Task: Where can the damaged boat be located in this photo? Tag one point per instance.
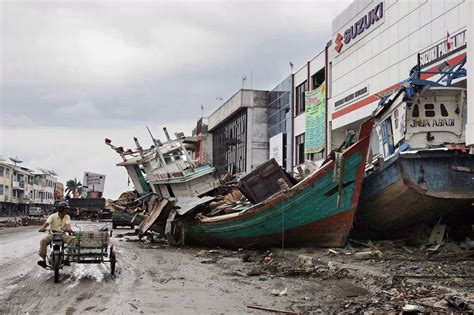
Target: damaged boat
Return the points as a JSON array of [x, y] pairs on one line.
[[165, 171], [317, 211], [264, 208], [421, 169]]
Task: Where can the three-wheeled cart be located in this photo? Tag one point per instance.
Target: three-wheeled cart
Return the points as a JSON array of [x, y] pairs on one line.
[[92, 247]]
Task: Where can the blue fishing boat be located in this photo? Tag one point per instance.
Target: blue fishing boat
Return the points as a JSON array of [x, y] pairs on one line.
[[420, 169]]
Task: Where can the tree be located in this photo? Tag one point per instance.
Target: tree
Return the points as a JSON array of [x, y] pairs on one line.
[[73, 187]]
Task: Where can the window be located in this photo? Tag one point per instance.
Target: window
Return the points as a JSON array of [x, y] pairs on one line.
[[1, 171], [1, 189], [395, 116], [230, 145], [444, 111], [7, 172], [429, 110], [317, 79], [315, 156], [299, 146], [300, 89], [415, 112]]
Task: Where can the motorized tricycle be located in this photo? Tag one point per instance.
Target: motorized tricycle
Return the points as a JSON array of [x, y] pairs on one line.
[[93, 246]]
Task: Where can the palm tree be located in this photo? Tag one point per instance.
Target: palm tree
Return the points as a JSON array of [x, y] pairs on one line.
[[73, 187]]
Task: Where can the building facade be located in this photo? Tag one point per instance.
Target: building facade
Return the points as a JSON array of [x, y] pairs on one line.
[[375, 44], [6, 181], [21, 188], [308, 78], [239, 132], [280, 122]]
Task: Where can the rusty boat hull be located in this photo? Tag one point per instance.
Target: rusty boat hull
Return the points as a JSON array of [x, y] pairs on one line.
[[316, 212], [414, 189]]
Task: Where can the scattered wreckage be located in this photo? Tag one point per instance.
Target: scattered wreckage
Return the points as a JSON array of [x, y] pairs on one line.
[[418, 169], [185, 203]]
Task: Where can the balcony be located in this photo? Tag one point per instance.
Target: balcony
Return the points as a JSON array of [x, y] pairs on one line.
[[18, 185]]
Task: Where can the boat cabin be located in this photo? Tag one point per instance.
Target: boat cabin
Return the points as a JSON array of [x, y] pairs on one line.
[[429, 119]]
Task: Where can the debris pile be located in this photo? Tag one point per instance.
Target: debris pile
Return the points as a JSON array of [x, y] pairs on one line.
[[21, 221], [234, 201], [127, 200]]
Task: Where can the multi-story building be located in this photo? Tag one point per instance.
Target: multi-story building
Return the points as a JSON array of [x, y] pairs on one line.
[[58, 191], [239, 132], [6, 191], [376, 43], [43, 193], [21, 188], [280, 123], [308, 78]]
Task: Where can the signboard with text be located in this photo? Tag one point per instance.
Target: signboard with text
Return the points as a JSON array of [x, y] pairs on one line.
[[94, 182], [315, 134], [276, 148]]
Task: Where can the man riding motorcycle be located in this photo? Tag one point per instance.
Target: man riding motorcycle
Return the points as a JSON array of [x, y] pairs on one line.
[[59, 221]]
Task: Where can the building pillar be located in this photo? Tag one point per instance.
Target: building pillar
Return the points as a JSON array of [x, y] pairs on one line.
[[470, 78]]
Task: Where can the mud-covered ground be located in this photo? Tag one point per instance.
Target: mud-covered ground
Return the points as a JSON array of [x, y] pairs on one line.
[[155, 278]]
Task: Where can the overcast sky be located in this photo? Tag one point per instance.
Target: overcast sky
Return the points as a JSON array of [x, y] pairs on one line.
[[73, 73]]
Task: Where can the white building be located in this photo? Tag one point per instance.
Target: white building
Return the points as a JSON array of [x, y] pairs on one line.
[[375, 44], [21, 188], [307, 78], [239, 132]]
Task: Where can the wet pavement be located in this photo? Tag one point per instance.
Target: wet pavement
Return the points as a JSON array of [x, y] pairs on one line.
[[156, 278]]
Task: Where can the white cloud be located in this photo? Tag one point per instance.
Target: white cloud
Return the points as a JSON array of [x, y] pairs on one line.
[[72, 151], [75, 72]]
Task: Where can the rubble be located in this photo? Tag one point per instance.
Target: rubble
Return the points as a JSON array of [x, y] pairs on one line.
[[234, 201], [21, 221]]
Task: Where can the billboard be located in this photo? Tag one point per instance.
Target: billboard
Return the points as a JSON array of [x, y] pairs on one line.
[[315, 133], [94, 182]]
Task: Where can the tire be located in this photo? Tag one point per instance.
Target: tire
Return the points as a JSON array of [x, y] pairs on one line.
[[56, 268], [113, 260]]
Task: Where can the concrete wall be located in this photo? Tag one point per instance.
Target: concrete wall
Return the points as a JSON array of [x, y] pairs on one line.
[[242, 98], [257, 135], [257, 128]]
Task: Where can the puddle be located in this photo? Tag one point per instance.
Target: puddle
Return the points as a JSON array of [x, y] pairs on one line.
[[78, 272]]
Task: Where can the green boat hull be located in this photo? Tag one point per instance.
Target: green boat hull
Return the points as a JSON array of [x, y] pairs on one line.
[[315, 212]]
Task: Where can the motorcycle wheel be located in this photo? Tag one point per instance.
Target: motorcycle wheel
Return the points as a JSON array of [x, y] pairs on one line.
[[56, 268], [113, 260]]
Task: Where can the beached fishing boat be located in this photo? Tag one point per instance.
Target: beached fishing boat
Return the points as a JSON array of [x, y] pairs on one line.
[[317, 211], [421, 169]]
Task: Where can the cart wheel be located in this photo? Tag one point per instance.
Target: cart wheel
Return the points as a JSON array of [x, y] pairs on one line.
[[56, 268], [113, 260]]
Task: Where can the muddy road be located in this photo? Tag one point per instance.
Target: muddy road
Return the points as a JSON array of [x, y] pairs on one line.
[[149, 278], [155, 278]]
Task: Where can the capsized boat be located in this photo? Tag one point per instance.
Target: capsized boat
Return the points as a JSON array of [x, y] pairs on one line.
[[317, 211], [421, 169]]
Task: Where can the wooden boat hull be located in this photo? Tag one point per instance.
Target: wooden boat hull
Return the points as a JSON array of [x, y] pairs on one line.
[[415, 188], [306, 215]]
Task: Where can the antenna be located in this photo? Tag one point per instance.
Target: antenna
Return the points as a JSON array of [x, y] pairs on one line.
[[16, 160], [156, 142]]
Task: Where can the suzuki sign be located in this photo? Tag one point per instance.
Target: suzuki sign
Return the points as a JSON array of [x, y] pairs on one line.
[[360, 27]]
